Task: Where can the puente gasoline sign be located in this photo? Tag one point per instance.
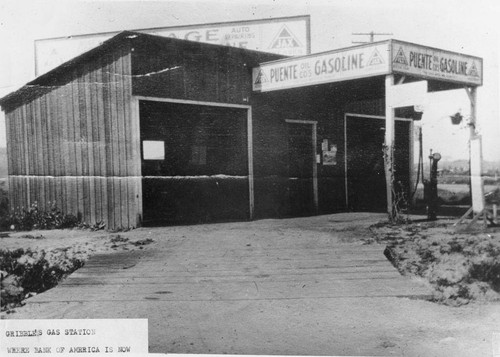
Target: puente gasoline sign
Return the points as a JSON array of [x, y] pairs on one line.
[[366, 61]]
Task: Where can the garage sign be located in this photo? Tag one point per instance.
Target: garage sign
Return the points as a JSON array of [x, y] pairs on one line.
[[431, 63], [289, 36], [333, 66]]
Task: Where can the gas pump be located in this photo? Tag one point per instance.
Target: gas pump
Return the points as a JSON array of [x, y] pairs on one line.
[[430, 187]]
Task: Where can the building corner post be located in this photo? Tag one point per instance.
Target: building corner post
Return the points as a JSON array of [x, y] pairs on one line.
[[389, 146]]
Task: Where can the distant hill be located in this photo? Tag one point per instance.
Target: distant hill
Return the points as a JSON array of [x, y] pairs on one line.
[[491, 166], [457, 166], [455, 163], [487, 165]]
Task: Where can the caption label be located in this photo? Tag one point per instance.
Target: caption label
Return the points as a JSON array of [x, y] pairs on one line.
[[73, 337]]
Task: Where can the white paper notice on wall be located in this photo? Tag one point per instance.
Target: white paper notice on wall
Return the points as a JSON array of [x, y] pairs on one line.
[[128, 337]]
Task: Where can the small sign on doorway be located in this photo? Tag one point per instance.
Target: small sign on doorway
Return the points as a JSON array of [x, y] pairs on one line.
[[330, 154]]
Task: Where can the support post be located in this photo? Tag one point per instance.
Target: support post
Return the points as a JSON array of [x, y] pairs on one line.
[[475, 162], [475, 150], [472, 94], [389, 144], [250, 163]]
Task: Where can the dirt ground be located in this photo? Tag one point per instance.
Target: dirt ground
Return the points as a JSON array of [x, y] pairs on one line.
[[327, 319], [461, 262]]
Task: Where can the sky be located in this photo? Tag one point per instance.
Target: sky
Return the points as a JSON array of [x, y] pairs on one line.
[[469, 27]]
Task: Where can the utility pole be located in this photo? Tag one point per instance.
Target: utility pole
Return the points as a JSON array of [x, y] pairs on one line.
[[372, 35]]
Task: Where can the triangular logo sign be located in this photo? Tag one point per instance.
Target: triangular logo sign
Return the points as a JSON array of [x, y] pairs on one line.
[[375, 58], [400, 57], [473, 70], [284, 39], [261, 78]]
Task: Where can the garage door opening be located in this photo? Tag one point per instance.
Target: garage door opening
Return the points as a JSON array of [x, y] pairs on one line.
[[195, 164], [364, 162], [302, 185]]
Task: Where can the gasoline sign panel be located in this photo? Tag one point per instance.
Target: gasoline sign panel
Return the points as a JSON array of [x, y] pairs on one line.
[[432, 63], [333, 66]]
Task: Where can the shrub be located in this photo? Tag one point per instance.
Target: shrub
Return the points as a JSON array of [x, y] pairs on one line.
[[31, 272], [4, 206], [33, 218]]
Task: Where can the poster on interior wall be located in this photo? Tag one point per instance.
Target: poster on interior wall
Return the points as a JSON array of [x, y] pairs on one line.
[[330, 156]]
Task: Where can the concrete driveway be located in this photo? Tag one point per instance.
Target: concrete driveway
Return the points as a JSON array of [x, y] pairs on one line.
[[304, 286]]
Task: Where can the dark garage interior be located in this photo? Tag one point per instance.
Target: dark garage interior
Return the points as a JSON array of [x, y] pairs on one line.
[[201, 174]]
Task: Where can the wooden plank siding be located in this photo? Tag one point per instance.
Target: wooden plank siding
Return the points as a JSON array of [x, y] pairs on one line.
[[72, 144]]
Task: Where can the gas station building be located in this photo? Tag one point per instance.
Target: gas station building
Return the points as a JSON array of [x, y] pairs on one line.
[[145, 129]]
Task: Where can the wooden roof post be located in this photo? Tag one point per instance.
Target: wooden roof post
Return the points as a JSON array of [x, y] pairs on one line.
[[251, 197], [476, 156], [389, 145], [472, 94]]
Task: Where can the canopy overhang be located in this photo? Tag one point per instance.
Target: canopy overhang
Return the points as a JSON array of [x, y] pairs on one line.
[[398, 61]]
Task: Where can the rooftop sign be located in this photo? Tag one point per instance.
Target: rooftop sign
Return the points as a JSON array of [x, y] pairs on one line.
[[288, 36], [334, 66], [367, 61]]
